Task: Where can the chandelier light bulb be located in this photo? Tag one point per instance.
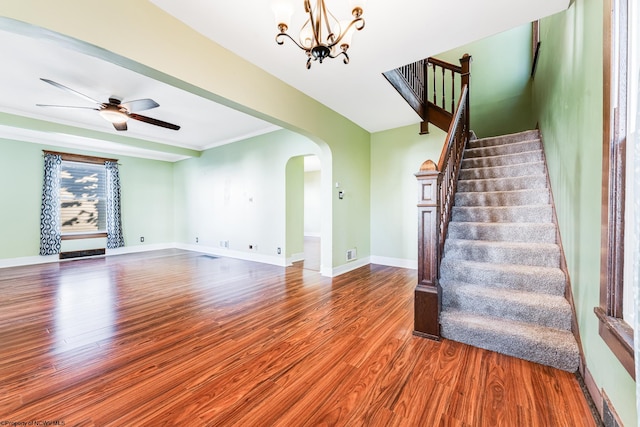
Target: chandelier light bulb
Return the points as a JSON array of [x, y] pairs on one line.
[[282, 11]]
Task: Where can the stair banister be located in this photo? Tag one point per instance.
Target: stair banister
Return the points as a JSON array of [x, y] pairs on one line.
[[430, 86], [437, 185]]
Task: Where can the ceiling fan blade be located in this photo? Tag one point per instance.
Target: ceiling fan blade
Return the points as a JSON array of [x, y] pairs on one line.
[[67, 106], [154, 121], [140, 105], [120, 126], [81, 95]]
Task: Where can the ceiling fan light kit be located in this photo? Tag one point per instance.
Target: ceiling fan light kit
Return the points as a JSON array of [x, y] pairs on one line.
[[114, 111], [113, 114], [322, 35]]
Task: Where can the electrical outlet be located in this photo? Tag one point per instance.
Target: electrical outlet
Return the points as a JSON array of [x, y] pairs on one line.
[[352, 254], [196, 240], [141, 239], [279, 251]]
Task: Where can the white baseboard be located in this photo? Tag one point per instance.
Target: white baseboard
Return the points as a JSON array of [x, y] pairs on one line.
[[45, 259], [224, 252], [345, 268], [139, 248], [395, 262], [296, 257], [28, 260]]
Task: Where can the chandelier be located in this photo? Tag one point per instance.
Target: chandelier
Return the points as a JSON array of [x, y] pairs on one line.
[[322, 35]]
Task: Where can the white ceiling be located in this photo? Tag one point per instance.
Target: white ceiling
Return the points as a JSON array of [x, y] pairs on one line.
[[396, 33]]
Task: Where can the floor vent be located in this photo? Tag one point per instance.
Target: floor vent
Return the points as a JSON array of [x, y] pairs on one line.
[[209, 256], [82, 254]]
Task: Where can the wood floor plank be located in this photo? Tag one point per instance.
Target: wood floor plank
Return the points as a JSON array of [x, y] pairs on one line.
[[178, 338]]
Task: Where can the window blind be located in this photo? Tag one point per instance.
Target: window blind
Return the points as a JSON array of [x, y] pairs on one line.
[[82, 198]]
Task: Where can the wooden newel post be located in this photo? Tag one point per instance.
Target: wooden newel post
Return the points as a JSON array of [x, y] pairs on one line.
[[424, 125], [465, 79], [427, 300]]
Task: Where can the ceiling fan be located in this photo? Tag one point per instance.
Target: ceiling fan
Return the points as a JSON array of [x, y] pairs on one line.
[[115, 111]]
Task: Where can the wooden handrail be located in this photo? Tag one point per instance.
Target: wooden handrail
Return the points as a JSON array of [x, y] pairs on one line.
[[430, 86], [445, 65], [438, 184], [449, 165]]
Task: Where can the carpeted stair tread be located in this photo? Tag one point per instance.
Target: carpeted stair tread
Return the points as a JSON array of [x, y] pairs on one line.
[[514, 232], [527, 168], [528, 253], [504, 139], [503, 160], [536, 196], [552, 311], [501, 150], [548, 280], [502, 286], [503, 184], [523, 213], [539, 344]]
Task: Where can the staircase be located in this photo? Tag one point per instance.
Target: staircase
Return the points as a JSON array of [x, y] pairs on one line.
[[502, 286]]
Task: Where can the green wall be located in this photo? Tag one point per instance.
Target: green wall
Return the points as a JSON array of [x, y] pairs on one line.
[[500, 84], [396, 155], [147, 198], [21, 164], [567, 92], [295, 210]]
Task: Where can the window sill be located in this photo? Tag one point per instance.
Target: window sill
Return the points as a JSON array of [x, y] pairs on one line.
[[618, 335]]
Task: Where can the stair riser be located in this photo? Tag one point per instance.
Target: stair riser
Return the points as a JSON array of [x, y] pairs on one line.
[[502, 288], [551, 317], [501, 150], [516, 346], [509, 198], [506, 139], [499, 255], [530, 281], [535, 233], [538, 214], [535, 168], [512, 159], [503, 184]]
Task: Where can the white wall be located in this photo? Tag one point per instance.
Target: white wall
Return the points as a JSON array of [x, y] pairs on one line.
[[234, 197], [312, 203]]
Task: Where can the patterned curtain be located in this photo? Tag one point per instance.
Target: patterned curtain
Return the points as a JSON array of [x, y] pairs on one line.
[[115, 239], [50, 211]]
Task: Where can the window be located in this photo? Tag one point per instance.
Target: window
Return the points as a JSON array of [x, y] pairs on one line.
[[615, 329], [80, 199]]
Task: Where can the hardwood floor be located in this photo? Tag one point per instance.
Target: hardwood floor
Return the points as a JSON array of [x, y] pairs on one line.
[[180, 338]]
